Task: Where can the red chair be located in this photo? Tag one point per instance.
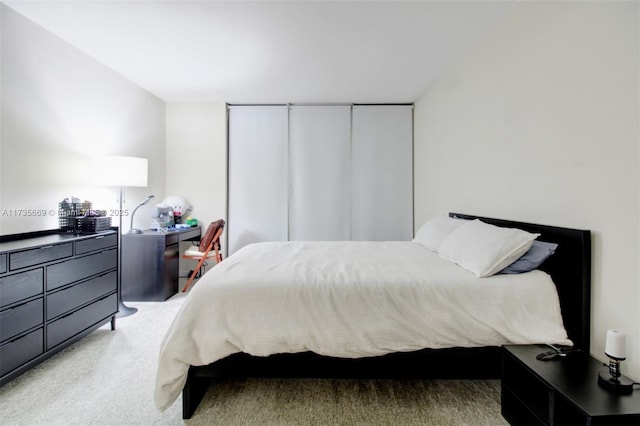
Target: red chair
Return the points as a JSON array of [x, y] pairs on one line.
[[208, 248]]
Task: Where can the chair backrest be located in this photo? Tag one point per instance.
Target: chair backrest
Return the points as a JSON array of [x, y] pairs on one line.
[[212, 235]]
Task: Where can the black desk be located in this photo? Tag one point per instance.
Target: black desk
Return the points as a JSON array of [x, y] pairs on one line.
[[150, 263], [561, 392]]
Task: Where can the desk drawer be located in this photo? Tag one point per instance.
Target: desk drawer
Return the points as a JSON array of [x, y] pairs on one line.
[[16, 287], [192, 234], [3, 263], [65, 300], [20, 351], [80, 268], [20, 318], [172, 239], [99, 242], [72, 324], [22, 259]]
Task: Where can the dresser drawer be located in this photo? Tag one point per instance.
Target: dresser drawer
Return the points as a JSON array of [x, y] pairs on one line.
[[17, 352], [22, 259], [79, 268], [99, 242], [3, 263], [72, 324], [16, 287], [20, 318], [65, 300]]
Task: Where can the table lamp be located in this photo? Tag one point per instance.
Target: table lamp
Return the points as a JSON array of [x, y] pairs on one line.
[[615, 351], [133, 230]]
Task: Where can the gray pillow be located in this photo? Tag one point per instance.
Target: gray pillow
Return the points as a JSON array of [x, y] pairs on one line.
[[538, 253]]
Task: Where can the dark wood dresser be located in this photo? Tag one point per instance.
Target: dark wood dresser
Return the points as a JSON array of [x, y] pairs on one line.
[[55, 288]]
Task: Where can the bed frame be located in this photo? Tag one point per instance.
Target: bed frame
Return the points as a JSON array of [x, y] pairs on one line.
[[570, 268]]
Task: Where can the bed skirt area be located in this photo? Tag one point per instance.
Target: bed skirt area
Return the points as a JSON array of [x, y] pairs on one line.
[[448, 363]]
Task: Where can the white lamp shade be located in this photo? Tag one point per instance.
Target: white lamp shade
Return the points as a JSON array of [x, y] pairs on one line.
[[121, 171], [615, 345]]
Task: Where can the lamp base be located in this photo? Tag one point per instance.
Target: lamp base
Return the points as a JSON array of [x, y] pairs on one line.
[[622, 385], [125, 311], [134, 231]]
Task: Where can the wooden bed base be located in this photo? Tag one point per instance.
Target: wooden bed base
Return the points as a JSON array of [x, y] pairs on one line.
[[570, 268]]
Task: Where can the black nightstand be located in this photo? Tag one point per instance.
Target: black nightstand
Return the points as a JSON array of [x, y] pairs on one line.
[[564, 391]]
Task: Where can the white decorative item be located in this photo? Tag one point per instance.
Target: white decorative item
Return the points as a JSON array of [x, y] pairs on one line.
[[615, 345], [178, 204], [615, 381]]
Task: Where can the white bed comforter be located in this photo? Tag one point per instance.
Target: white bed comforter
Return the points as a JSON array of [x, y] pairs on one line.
[[349, 299]]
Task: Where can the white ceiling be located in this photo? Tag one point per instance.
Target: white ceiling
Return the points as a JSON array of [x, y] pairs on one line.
[[269, 51]]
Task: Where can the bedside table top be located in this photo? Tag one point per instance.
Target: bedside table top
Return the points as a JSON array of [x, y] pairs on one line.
[[576, 378]]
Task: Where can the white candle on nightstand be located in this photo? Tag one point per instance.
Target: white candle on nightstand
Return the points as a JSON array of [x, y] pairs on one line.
[[615, 345]]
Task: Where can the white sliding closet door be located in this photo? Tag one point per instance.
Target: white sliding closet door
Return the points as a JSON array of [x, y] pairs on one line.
[[382, 173], [319, 138], [258, 175]]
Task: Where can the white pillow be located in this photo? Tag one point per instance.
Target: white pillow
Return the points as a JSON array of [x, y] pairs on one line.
[[434, 231], [485, 249]]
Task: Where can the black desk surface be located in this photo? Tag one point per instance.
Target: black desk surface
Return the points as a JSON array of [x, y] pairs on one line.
[[183, 233]]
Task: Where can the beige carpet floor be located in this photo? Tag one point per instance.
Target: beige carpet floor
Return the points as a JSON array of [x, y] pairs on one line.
[[107, 379]]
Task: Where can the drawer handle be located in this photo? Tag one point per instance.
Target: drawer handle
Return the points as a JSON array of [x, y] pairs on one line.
[[17, 306], [23, 336], [99, 237], [67, 315], [46, 247]]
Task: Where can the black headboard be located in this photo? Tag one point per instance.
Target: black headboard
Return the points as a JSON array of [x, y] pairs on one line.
[[570, 269]]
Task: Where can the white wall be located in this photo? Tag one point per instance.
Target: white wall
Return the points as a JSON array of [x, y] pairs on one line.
[[60, 107], [540, 124], [197, 157], [196, 169]]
